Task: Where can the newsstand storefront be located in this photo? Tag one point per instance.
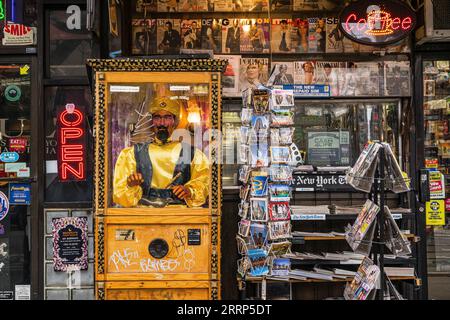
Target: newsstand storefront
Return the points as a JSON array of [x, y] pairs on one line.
[[296, 91]]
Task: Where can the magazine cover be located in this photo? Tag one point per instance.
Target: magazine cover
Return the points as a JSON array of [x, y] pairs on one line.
[[144, 36], [191, 34], [281, 36], [255, 36], [316, 35], [397, 78], [193, 5], [211, 35], [255, 5], [364, 281], [168, 36], [223, 5], [331, 74], [142, 7], [253, 72], [168, 5], [335, 37], [300, 35], [282, 73], [281, 5], [231, 35], [304, 72], [230, 78], [350, 85], [310, 5], [369, 78]]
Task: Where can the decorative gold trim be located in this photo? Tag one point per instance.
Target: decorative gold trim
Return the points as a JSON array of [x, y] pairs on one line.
[[100, 248], [99, 182], [100, 294], [182, 64], [214, 291]]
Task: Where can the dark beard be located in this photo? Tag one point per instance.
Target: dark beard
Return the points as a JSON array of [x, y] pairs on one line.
[[162, 134]]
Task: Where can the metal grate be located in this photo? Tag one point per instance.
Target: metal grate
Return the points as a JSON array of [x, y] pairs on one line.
[[441, 12]]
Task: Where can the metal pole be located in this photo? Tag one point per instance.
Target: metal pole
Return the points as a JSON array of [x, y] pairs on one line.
[[381, 224]]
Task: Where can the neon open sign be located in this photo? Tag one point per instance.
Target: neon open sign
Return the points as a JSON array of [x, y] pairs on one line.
[[71, 144], [379, 22]]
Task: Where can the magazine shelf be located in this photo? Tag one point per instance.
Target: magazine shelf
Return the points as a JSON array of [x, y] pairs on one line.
[[349, 279]]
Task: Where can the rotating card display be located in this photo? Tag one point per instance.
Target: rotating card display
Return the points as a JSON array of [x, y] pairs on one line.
[[266, 154]]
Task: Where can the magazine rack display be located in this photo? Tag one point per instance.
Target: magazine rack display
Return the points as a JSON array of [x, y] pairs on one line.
[[375, 172], [265, 151]]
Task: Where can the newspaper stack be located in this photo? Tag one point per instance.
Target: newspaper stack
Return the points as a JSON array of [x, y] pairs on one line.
[[266, 173], [361, 175], [361, 288]]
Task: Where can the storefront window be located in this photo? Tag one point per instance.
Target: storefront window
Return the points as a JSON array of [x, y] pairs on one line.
[[57, 188], [70, 43], [15, 84], [436, 92]]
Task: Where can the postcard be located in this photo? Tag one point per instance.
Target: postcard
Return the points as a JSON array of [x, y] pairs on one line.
[[244, 228], [258, 234], [279, 229], [279, 192], [258, 209], [258, 259], [260, 182], [279, 211], [280, 267]]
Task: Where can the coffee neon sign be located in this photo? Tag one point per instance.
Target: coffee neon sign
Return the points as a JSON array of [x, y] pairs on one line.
[[71, 144], [377, 22]]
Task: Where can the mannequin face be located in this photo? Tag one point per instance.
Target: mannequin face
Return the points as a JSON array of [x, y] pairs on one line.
[[163, 124]]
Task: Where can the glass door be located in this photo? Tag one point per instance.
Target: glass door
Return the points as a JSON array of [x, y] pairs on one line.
[[15, 180], [436, 108]]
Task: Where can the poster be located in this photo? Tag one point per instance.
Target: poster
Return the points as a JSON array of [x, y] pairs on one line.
[[191, 34], [437, 185], [19, 193], [328, 148], [144, 36], [168, 36], [435, 213], [253, 72], [282, 37], [255, 35], [230, 78], [316, 35], [70, 244]]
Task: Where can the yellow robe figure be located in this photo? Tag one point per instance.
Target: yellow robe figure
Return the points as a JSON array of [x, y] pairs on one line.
[[163, 158]]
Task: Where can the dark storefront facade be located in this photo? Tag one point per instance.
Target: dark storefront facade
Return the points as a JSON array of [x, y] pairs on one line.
[[395, 92]]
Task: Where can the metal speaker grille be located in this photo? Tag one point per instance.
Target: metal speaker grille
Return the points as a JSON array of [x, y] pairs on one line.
[[441, 12]]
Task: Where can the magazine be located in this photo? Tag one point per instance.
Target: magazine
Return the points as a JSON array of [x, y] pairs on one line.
[[282, 73], [281, 36], [281, 5], [361, 175], [300, 35], [331, 74], [396, 181], [168, 5], [255, 36], [211, 35], [255, 5], [304, 72], [254, 72], [368, 78], [356, 235], [335, 37], [168, 36], [193, 6], [223, 6], [316, 35], [142, 7], [144, 36], [364, 282], [231, 35], [313, 5], [395, 239], [191, 34], [397, 78], [230, 78]]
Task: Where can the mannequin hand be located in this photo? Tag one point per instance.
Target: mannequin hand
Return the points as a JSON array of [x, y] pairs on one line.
[[135, 179], [181, 192]]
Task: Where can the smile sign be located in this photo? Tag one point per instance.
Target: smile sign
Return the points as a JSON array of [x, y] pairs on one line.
[[379, 22]]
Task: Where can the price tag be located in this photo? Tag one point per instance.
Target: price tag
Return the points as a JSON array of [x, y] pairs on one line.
[[397, 216]]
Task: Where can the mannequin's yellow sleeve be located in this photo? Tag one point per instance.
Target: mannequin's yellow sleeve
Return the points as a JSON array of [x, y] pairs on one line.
[[125, 166], [199, 183]]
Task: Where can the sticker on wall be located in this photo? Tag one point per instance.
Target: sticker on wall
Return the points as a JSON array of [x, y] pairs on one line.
[[9, 157], [18, 145], [15, 34], [23, 292], [4, 206], [19, 193], [70, 244], [435, 213], [13, 93], [24, 69], [125, 235]]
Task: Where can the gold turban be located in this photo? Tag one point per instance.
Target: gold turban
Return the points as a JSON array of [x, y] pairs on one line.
[[166, 104]]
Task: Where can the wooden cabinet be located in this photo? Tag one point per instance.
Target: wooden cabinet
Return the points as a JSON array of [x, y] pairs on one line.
[[152, 242]]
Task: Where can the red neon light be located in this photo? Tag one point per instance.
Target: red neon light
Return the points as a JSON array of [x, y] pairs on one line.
[[71, 144], [78, 173], [377, 23]]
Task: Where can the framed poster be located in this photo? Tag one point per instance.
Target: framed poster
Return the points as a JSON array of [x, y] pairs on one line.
[[328, 148], [70, 243]]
